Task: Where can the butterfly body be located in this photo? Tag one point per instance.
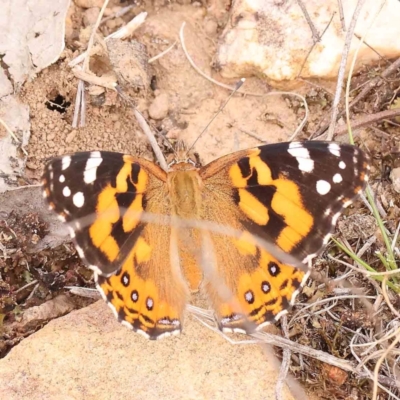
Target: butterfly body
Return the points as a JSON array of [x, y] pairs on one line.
[[231, 228]]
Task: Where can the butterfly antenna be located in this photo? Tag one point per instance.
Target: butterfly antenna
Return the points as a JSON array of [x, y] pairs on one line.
[[236, 88]]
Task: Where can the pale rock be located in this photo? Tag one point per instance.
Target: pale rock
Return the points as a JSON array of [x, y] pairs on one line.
[[159, 107], [211, 27], [90, 16], [5, 84], [272, 38], [395, 178], [89, 355], [89, 3], [71, 136], [12, 160]]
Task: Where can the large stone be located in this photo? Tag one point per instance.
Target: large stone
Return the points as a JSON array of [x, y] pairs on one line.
[[272, 38], [89, 355]]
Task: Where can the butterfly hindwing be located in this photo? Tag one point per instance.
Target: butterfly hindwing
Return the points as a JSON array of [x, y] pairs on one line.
[[289, 194], [102, 195]]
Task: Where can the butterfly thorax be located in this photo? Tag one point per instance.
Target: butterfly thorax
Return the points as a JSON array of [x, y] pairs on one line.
[[184, 185]]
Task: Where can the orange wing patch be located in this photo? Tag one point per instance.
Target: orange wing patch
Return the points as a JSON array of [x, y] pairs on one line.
[[132, 181], [284, 199]]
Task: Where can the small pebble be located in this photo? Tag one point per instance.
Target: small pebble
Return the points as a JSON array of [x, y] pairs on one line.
[[90, 16], [211, 27], [395, 178], [71, 136], [159, 107], [89, 3]]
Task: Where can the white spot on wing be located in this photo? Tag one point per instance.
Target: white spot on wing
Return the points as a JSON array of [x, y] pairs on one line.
[[342, 165], [248, 296], [302, 156], [149, 303], [66, 191], [323, 187], [326, 239], [127, 324], [309, 258], [92, 163], [337, 178], [335, 218], [65, 162], [143, 333], [334, 149], [80, 251], [97, 271], [71, 232], [61, 179], [347, 203], [78, 199]]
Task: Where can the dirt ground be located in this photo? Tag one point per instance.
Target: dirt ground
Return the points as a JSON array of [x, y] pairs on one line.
[[179, 103]]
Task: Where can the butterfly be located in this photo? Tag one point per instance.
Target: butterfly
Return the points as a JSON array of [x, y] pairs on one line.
[[127, 217]]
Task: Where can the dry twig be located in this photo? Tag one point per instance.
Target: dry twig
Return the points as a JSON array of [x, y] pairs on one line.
[[342, 68], [367, 89]]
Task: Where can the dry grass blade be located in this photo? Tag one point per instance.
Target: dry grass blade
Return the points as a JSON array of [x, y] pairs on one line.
[[352, 68], [147, 131], [314, 31], [366, 90], [121, 33], [285, 362], [80, 104], [342, 69], [11, 133]]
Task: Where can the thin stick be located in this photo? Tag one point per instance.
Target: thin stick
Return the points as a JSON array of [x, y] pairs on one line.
[[285, 361], [152, 59], [353, 62], [342, 69], [367, 88], [386, 297], [396, 234], [92, 35], [368, 120], [7, 128], [368, 45], [199, 71], [314, 32], [119, 34], [379, 363], [78, 99], [313, 46], [237, 86], [341, 14], [147, 131], [23, 187], [80, 103], [150, 137], [94, 79], [26, 286], [120, 13]]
